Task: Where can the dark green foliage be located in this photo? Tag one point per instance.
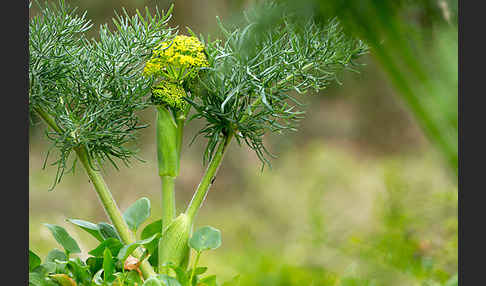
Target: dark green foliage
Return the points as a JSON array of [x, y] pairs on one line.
[[247, 89], [106, 264], [91, 88]]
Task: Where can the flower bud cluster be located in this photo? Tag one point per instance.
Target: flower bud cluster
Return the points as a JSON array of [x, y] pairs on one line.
[[169, 93]]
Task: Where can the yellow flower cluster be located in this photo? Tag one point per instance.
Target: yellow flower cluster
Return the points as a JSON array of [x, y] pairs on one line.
[[177, 60], [169, 93], [176, 63]]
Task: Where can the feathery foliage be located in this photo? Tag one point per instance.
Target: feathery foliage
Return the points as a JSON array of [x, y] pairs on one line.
[[247, 90], [91, 88]]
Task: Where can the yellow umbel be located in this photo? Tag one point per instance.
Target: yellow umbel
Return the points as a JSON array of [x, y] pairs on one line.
[[178, 60]]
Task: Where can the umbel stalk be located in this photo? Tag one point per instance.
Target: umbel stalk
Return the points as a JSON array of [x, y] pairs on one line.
[[208, 178], [168, 199], [168, 157]]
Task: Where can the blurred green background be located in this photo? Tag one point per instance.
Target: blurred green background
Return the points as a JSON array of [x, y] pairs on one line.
[[360, 195]]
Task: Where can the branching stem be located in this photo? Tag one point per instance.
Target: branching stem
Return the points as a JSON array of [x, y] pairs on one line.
[[208, 178], [104, 195]]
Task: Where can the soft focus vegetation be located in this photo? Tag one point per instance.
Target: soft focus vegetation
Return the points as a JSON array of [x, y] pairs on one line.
[[363, 194]]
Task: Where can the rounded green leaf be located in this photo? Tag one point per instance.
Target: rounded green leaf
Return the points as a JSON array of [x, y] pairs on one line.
[[63, 238], [137, 213], [205, 238], [89, 227]]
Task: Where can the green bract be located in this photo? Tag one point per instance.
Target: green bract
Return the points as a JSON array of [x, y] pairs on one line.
[[137, 213], [173, 244]]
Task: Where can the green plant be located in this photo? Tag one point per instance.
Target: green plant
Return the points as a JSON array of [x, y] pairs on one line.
[[88, 92]]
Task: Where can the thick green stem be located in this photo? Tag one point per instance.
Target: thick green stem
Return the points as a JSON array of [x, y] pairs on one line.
[[208, 178], [106, 198], [111, 208], [104, 195], [168, 156], [168, 199], [168, 182], [169, 140]]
